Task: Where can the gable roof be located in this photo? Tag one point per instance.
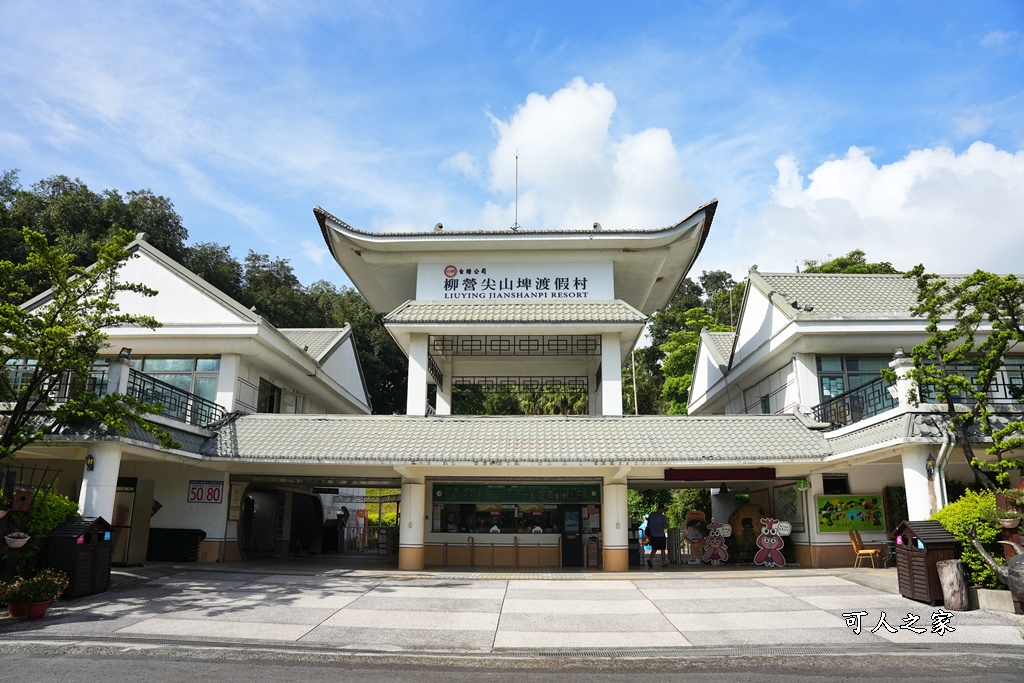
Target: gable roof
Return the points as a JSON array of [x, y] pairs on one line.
[[835, 295], [721, 343], [318, 343]]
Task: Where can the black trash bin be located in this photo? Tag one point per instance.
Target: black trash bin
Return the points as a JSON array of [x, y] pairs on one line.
[[174, 545], [82, 548], [919, 547]]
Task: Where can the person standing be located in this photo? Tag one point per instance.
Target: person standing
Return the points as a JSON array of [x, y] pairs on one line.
[[656, 525]]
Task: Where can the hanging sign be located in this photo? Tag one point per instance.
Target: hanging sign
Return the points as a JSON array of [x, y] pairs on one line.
[[456, 281]]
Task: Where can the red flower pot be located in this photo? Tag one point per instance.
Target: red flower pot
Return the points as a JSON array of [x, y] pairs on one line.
[[17, 609], [36, 610]]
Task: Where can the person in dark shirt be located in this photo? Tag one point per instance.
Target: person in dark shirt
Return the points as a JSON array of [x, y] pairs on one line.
[[656, 525]]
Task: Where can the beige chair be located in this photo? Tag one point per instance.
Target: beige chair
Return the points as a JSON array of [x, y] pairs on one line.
[[862, 552]]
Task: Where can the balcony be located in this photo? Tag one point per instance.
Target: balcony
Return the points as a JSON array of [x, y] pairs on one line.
[[860, 403], [175, 403]]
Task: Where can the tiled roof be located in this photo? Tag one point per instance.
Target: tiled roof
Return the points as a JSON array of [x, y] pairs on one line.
[[723, 342], [314, 342], [515, 311], [396, 440], [848, 296]]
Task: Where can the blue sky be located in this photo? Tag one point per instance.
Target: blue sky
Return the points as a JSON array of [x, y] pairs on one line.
[[894, 127]]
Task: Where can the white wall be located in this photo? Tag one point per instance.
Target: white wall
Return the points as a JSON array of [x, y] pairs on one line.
[[171, 491], [247, 396], [780, 388], [177, 301]]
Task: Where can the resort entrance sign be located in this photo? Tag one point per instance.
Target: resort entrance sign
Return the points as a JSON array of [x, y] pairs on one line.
[[492, 281]]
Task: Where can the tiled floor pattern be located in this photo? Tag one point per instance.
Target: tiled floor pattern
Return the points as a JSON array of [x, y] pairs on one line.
[[485, 612]]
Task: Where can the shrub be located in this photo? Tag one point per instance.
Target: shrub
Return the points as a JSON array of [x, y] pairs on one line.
[[46, 514], [973, 510], [46, 585]]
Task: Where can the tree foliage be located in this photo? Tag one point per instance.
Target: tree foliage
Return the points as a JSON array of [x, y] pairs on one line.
[[853, 263], [73, 218], [971, 325], [681, 357], [60, 337]]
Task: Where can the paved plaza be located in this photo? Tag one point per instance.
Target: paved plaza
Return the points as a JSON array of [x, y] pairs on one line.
[[494, 611]]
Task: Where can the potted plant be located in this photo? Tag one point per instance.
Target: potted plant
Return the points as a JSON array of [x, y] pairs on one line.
[[1007, 519], [41, 590], [16, 539], [10, 594]]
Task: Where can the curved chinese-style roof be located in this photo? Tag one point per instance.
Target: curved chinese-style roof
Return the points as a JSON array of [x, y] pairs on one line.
[[648, 264]]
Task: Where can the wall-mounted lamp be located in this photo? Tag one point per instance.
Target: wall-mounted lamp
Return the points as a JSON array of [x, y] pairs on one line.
[[929, 465], [90, 462], [802, 485], [124, 353]]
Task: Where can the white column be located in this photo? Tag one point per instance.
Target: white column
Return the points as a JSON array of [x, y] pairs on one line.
[[410, 535], [902, 365], [416, 394], [611, 375], [227, 380], [615, 520], [100, 483], [805, 370], [922, 501]]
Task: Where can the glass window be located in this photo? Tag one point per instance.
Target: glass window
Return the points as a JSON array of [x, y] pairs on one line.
[[205, 386], [152, 365], [196, 376], [507, 518], [839, 374], [207, 364]]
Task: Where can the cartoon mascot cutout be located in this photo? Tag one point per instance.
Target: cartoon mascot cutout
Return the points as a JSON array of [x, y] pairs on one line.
[[769, 543], [694, 534], [715, 552]]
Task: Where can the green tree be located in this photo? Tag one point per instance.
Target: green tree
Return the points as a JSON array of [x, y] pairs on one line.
[[60, 337], [74, 218], [648, 387], [215, 264], [640, 502], [853, 263], [272, 287], [681, 357], [383, 362], [972, 325]]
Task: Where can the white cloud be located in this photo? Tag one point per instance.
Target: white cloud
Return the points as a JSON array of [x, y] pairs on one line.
[[573, 171], [952, 212], [464, 163], [314, 251]]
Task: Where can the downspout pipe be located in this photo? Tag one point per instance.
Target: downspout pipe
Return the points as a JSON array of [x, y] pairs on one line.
[[948, 441]]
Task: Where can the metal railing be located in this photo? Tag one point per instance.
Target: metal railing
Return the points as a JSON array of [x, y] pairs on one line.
[[867, 400], [175, 403]]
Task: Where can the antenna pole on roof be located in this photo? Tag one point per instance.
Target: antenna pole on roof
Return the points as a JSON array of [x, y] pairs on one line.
[[515, 225]]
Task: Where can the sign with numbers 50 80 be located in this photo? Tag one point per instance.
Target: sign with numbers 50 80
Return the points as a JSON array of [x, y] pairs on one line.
[[205, 491]]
